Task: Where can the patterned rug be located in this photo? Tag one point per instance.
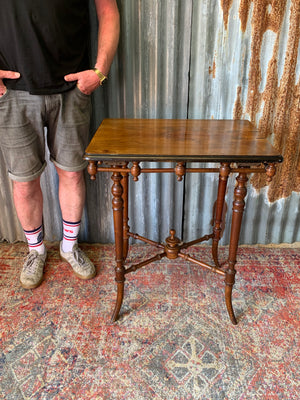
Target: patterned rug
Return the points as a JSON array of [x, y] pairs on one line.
[[173, 341]]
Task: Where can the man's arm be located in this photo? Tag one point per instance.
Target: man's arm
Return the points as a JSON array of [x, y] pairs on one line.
[[108, 38], [108, 33]]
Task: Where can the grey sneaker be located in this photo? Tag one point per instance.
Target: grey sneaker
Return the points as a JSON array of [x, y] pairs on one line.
[[33, 268], [81, 264]]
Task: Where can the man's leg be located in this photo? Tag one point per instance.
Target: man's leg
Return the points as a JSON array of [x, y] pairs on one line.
[[72, 198], [71, 194], [28, 201]]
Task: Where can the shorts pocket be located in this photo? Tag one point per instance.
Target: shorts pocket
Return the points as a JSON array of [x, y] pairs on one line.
[[4, 95], [80, 93]]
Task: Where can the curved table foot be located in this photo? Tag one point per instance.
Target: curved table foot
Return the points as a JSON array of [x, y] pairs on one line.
[[214, 249], [119, 301], [228, 300]]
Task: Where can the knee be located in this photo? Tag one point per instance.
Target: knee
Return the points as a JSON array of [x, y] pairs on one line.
[[26, 190], [70, 177]]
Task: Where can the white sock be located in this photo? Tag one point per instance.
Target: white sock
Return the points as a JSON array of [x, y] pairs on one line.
[[35, 240], [70, 231]]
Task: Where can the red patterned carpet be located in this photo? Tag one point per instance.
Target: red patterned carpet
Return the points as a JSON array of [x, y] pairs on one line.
[[173, 341]]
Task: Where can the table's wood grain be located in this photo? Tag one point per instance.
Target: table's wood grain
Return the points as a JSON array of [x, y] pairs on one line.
[[176, 139]]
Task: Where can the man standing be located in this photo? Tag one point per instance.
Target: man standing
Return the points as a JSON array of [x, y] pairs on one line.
[[45, 82]]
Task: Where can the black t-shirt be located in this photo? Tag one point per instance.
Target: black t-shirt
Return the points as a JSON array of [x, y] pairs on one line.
[[43, 40]]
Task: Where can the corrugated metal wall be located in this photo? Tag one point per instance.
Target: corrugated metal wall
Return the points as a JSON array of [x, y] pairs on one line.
[[219, 79], [176, 59]]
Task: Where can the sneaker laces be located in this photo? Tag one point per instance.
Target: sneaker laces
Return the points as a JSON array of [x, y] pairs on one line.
[[30, 265], [80, 257]]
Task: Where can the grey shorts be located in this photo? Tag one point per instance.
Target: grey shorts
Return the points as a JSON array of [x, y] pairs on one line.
[[23, 119]]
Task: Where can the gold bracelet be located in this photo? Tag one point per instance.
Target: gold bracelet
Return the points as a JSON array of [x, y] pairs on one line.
[[101, 76]]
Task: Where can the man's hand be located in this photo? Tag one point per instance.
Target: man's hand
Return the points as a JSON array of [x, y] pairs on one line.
[[7, 75], [87, 81]]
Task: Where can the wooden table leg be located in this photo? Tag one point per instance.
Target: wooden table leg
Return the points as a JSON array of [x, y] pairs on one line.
[[240, 192], [223, 178], [124, 183], [117, 205]]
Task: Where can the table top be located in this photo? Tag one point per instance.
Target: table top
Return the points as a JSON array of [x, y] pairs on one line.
[[180, 140]]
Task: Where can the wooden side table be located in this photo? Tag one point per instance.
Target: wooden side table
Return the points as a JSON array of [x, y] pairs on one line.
[[120, 145]]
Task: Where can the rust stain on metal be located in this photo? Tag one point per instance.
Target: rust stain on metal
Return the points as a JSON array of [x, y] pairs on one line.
[[212, 70], [280, 100], [244, 12], [258, 23], [226, 5], [287, 114], [238, 107], [272, 12], [269, 96], [291, 148], [276, 14]]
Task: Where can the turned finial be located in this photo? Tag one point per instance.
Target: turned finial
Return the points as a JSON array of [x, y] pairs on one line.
[[92, 170], [180, 170], [135, 170], [173, 244], [270, 171], [172, 240]]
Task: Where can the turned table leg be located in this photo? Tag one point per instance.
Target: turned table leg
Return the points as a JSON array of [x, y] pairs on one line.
[[240, 192], [117, 205], [223, 179], [124, 183]]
